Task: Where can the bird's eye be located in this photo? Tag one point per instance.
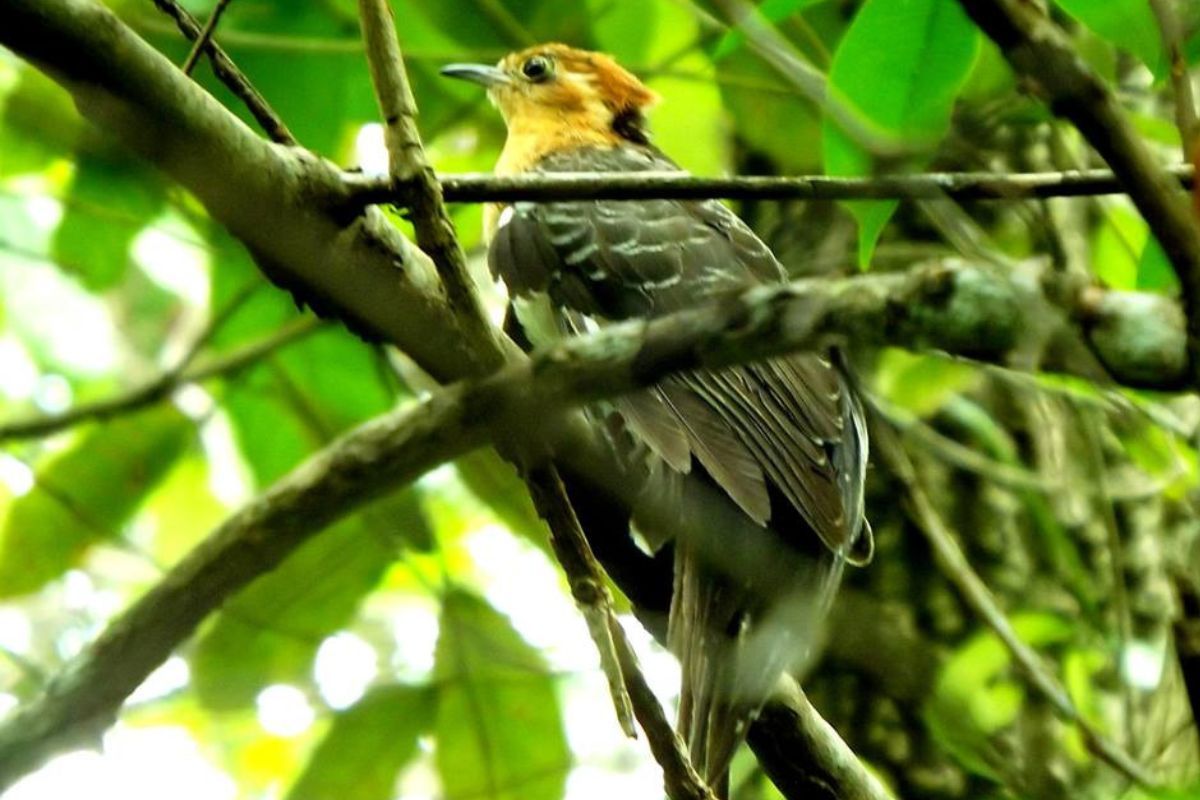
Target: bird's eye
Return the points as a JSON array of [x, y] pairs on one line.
[[537, 69]]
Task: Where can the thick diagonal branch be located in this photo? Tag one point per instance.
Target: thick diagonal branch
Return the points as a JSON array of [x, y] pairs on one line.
[[524, 404], [1041, 54]]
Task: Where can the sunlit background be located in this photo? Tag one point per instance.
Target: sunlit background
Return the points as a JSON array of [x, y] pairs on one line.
[[435, 618], [153, 752]]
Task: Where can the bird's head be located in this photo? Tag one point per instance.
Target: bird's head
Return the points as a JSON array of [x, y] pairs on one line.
[[553, 84]]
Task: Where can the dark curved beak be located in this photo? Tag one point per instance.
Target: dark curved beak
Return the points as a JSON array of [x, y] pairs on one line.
[[482, 74]]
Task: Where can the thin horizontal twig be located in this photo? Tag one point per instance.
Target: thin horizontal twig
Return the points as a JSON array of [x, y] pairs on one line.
[[482, 187]]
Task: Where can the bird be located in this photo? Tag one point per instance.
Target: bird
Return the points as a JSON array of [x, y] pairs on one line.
[[784, 439]]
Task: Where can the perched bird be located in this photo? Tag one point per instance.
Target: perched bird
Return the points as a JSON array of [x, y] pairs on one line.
[[783, 438]]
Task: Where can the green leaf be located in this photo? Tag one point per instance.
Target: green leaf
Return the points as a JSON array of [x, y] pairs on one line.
[[1117, 246], [921, 383], [367, 745], [110, 201], [690, 123], [232, 274], [182, 508], [39, 122], [768, 114], [496, 483], [282, 411], [306, 59], [499, 721], [627, 31], [298, 400], [1125, 255], [900, 65], [1162, 456], [1128, 24], [975, 698], [1154, 270], [86, 494], [494, 26], [270, 631]]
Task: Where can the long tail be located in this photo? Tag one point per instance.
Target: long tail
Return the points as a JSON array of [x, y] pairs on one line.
[[734, 637]]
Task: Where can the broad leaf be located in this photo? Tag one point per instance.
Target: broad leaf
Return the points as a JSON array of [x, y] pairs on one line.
[[367, 745], [499, 721], [975, 696], [770, 116], [1126, 256], [900, 65], [1128, 24], [689, 126], [496, 483], [495, 26], [921, 383], [86, 494], [270, 632], [109, 202], [38, 124]]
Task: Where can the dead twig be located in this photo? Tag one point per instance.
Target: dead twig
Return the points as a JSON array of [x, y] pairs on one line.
[[229, 74], [206, 35], [631, 693]]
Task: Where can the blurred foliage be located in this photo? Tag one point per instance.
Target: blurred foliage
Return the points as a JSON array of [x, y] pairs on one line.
[[903, 86], [1075, 503]]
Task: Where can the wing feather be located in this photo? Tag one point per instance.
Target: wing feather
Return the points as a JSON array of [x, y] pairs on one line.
[[653, 422], [720, 451], [780, 423]]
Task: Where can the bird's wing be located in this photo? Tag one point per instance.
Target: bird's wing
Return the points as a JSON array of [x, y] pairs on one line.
[[787, 422]]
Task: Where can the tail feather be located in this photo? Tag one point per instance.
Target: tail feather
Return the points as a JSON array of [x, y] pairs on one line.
[[734, 638]]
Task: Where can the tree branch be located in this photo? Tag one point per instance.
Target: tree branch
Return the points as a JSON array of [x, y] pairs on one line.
[[483, 187], [1181, 81], [1040, 53], [523, 403], [631, 693], [435, 234], [804, 756], [290, 208], [225, 70], [205, 36], [407, 163]]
